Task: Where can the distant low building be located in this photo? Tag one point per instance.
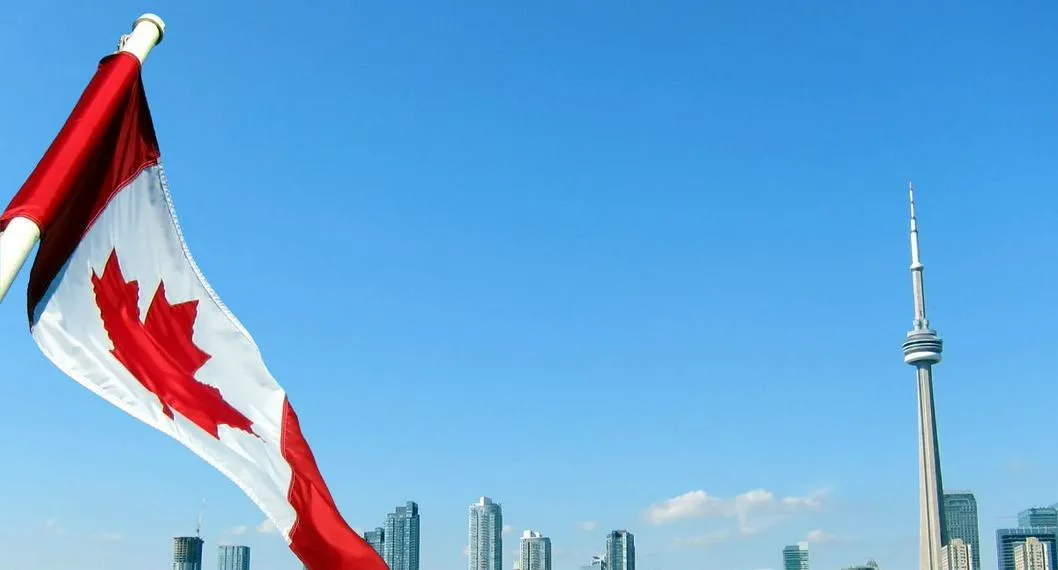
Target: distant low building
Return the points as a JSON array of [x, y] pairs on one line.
[[869, 565], [597, 563]]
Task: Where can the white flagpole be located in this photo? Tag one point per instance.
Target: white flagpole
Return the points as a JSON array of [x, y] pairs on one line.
[[21, 234]]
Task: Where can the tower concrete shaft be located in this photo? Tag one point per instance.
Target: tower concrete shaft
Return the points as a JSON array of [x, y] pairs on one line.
[[922, 349]]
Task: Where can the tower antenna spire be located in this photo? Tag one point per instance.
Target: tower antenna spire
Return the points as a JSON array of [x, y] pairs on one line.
[[917, 283], [915, 263]]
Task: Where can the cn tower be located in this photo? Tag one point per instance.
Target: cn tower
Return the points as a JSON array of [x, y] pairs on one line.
[[922, 350]]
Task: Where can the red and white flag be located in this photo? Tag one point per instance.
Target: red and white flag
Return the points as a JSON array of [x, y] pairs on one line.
[[118, 304]]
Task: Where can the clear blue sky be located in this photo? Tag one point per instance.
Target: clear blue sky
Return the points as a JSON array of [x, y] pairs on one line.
[[582, 257]]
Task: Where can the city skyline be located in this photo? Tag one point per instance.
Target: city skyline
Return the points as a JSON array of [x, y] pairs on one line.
[[1029, 546], [678, 229]]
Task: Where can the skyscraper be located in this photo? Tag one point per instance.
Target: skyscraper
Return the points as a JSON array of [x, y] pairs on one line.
[[1008, 539], [534, 552], [922, 349], [187, 553], [960, 521], [1038, 516], [957, 555], [1032, 555], [795, 557], [620, 550], [400, 549], [233, 558], [377, 539], [485, 536]]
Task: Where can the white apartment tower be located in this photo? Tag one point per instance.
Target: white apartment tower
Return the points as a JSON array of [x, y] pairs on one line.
[[957, 555], [485, 536], [1032, 555]]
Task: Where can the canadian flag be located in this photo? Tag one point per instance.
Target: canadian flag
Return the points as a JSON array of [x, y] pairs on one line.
[[118, 304]]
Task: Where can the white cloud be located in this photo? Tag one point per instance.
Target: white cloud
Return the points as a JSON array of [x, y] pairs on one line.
[[818, 536], [239, 530], [507, 529], [687, 505], [466, 551], [266, 527], [587, 526], [752, 509]]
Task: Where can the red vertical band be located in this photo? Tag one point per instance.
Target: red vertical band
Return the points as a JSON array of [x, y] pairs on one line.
[[107, 141], [320, 537]]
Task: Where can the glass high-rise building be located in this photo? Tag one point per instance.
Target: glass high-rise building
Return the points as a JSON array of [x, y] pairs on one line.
[[960, 521], [620, 550], [1038, 517], [230, 557], [1008, 539], [400, 549], [377, 539], [534, 552], [795, 557], [485, 536], [187, 553]]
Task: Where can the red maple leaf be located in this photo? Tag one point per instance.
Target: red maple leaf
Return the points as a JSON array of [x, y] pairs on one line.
[[159, 351]]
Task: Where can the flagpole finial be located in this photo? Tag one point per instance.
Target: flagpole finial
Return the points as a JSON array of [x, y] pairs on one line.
[[153, 19], [147, 32]]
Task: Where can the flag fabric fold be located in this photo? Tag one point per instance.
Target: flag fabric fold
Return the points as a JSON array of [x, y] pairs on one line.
[[116, 302]]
